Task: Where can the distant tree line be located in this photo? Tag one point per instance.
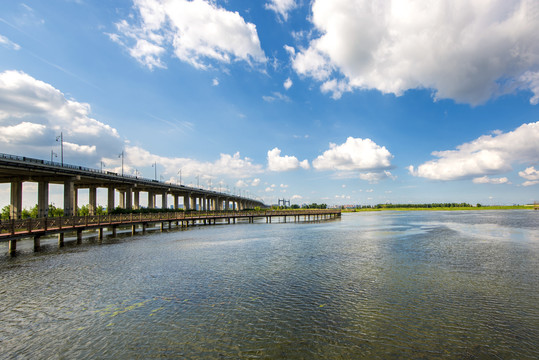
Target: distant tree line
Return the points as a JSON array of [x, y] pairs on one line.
[[413, 206]]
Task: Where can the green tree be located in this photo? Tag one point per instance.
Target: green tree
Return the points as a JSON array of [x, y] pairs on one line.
[[5, 212]]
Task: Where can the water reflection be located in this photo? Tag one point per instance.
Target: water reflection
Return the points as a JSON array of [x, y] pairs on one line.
[[376, 285]]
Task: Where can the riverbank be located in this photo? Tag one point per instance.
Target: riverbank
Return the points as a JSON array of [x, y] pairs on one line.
[[512, 207]]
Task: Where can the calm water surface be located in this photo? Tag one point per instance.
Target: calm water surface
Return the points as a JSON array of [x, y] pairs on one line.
[[390, 285]]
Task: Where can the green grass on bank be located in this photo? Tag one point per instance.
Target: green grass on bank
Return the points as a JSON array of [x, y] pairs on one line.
[[512, 207]]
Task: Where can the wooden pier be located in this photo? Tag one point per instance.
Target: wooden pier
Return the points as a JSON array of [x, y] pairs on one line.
[[13, 230]]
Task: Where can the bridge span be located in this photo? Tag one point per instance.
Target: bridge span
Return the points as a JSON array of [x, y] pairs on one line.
[[18, 169]]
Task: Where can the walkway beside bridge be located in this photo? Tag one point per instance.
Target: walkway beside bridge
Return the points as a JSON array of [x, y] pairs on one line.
[[13, 230]]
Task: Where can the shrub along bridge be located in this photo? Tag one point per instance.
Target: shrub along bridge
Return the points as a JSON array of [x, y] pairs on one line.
[[17, 229]]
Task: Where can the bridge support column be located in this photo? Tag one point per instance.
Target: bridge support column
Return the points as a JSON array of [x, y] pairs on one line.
[[12, 247], [69, 198], [151, 199], [15, 208], [37, 243], [227, 203], [110, 199], [61, 239], [122, 199], [164, 200], [92, 203], [129, 198], [186, 201], [42, 199], [136, 195], [176, 202]]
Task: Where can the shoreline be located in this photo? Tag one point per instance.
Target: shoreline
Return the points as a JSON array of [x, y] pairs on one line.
[[511, 207]]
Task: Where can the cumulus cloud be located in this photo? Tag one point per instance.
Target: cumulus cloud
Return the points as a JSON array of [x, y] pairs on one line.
[[356, 154], [233, 166], [531, 175], [33, 113], [469, 51], [255, 182], [288, 84], [487, 155], [281, 7], [199, 32], [296, 197], [276, 162], [487, 180]]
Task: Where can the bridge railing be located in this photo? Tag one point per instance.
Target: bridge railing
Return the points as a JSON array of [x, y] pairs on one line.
[[30, 225]]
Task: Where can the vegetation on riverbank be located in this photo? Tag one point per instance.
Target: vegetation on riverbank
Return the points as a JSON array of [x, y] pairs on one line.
[[440, 208]]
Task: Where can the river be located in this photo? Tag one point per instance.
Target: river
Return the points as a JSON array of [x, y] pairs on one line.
[[378, 285]]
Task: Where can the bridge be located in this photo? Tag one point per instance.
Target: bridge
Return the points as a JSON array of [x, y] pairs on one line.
[[17, 229], [18, 169]]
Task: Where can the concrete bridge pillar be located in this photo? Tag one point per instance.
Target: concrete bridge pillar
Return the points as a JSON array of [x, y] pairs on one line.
[[136, 195], [164, 201], [15, 208], [70, 198], [110, 198], [42, 199], [129, 198], [176, 203], [186, 200], [227, 201], [151, 199], [122, 199], [92, 200]]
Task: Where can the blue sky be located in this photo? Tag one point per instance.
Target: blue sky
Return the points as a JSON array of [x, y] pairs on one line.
[[327, 101]]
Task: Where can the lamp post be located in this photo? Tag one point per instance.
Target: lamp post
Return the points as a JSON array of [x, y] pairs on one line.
[[61, 138], [53, 154], [102, 164], [154, 165], [122, 156], [180, 172]]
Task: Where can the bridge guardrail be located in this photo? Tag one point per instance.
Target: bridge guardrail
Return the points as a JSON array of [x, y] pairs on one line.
[[31, 225]]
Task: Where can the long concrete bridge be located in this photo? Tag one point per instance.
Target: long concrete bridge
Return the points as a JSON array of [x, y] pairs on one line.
[[18, 169]]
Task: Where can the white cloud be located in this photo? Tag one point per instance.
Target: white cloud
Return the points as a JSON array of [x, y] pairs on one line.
[[287, 84], [486, 180], [215, 82], [283, 186], [469, 51], [486, 155], [531, 175], [374, 177], [8, 43], [241, 184], [276, 162], [199, 32], [269, 189], [255, 182], [276, 96], [227, 165], [354, 154], [296, 197], [281, 7], [33, 113]]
